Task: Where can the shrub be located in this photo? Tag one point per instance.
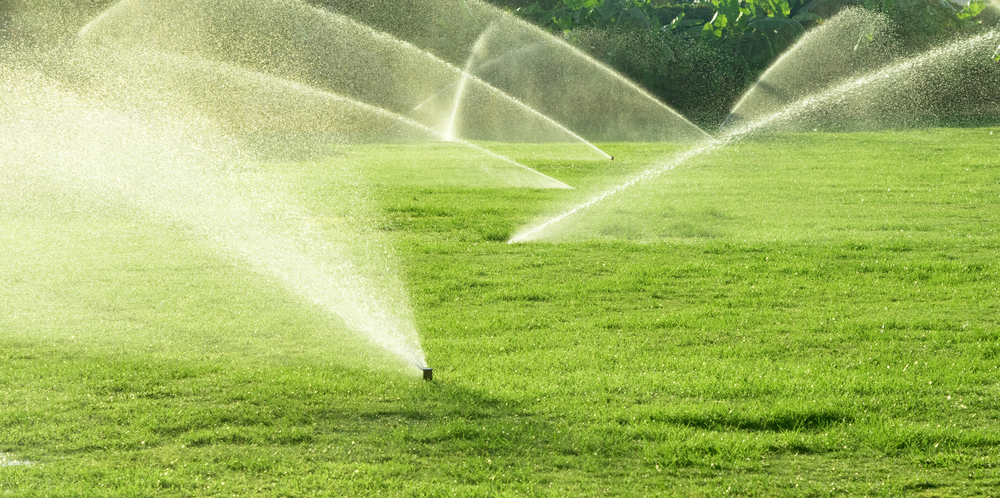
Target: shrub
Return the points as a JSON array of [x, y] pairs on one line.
[[698, 79]]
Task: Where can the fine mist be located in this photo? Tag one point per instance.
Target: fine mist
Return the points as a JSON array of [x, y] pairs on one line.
[[330, 52], [540, 70], [850, 43], [957, 80], [182, 116], [104, 156]]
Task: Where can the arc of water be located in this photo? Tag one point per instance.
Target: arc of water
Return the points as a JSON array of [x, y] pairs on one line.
[[460, 93], [657, 170], [634, 112], [465, 77], [462, 81], [616, 76], [85, 30], [795, 109], [296, 87], [462, 77], [889, 72], [166, 172], [409, 122], [450, 133], [777, 63], [484, 65], [833, 40]]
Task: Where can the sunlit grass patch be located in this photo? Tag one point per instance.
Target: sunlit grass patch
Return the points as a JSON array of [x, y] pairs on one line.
[[789, 339]]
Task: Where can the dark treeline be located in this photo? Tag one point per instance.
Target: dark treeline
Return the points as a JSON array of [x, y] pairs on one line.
[[700, 57]]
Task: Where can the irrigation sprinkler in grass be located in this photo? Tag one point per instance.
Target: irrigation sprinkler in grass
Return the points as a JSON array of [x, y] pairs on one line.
[[199, 57]]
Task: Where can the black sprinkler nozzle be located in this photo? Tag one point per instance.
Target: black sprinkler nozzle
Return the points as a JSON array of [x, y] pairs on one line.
[[428, 373]]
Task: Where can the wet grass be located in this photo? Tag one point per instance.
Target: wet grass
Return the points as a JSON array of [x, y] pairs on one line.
[[787, 339]]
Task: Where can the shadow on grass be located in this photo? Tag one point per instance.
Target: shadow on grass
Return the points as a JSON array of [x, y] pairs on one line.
[[806, 419]]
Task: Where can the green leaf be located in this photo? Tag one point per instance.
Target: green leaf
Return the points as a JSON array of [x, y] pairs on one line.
[[564, 23], [782, 7], [695, 31], [721, 21], [971, 10], [708, 32], [580, 4], [688, 22], [679, 23]]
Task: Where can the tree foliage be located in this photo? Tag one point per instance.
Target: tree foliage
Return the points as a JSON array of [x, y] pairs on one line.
[[682, 51]]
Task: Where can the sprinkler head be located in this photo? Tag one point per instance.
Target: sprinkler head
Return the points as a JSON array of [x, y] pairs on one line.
[[428, 373]]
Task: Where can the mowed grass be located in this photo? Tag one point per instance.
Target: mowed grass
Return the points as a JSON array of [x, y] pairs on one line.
[[795, 315]]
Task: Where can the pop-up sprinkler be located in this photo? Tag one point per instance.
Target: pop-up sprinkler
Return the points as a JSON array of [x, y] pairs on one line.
[[428, 373]]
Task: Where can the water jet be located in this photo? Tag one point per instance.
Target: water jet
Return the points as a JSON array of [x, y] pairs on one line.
[[914, 90], [328, 51], [161, 111], [534, 67], [248, 104], [6, 460], [848, 44], [167, 168]]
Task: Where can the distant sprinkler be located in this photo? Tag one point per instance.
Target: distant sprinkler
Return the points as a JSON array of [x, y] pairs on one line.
[[428, 373]]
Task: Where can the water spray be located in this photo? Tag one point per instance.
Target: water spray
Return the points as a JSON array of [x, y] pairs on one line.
[[834, 96]]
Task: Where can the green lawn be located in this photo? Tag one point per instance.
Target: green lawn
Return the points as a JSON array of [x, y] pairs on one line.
[[809, 314]]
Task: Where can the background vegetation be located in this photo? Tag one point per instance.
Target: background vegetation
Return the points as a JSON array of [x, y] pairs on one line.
[[699, 57]]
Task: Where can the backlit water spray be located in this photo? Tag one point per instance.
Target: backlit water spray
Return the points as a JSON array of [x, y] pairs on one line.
[[161, 107], [8, 461], [892, 94], [539, 70], [541, 230], [325, 50], [848, 44], [907, 90], [452, 132], [177, 175]]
